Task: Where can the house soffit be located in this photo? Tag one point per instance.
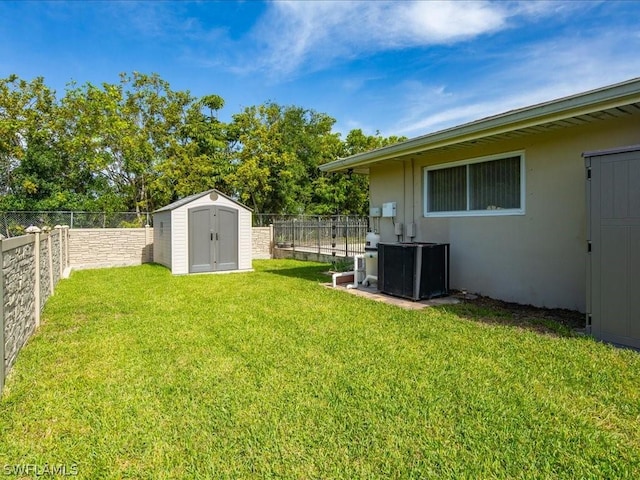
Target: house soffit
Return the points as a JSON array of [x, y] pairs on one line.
[[604, 103], [630, 110]]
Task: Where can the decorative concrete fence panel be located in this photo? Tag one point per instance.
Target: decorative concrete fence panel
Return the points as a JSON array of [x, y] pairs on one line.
[[31, 266], [110, 247], [262, 239]]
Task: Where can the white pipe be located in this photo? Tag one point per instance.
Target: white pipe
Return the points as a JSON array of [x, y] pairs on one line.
[[368, 279], [356, 270]]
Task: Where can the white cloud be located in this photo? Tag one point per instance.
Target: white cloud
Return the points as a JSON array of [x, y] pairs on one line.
[[543, 71], [296, 34]]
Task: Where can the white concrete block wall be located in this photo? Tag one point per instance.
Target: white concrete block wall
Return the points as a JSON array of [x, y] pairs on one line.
[[110, 247], [262, 242]]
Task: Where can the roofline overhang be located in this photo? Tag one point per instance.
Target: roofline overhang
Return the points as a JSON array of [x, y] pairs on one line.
[[585, 103], [190, 198]]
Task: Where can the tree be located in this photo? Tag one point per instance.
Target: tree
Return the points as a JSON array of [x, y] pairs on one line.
[[200, 160], [276, 155], [27, 110], [138, 145], [126, 132], [348, 194]]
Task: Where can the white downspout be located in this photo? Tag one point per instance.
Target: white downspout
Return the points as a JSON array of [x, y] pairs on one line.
[[357, 270]]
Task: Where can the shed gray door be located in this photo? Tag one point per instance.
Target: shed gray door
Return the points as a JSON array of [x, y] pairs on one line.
[[213, 239], [201, 239], [227, 244], [613, 281]]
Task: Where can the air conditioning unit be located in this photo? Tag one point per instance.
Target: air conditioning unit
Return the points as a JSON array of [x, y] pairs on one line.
[[415, 271]]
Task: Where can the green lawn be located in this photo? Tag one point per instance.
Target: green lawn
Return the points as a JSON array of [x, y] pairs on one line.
[[135, 373]]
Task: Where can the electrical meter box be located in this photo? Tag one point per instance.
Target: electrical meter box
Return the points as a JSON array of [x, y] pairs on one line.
[[374, 212], [389, 209]]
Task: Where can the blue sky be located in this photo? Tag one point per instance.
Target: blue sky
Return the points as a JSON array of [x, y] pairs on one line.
[[402, 68]]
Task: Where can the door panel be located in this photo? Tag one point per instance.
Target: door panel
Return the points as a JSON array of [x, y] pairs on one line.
[[227, 243], [614, 231], [200, 229]]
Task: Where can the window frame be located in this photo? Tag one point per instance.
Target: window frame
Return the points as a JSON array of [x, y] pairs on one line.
[[476, 213]]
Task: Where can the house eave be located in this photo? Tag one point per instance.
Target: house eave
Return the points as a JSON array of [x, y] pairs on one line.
[[587, 103]]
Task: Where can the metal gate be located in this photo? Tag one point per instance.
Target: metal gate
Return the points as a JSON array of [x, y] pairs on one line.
[[613, 229]]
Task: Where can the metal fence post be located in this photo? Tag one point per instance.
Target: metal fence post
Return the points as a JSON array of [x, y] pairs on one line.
[[333, 236], [346, 236], [293, 234]]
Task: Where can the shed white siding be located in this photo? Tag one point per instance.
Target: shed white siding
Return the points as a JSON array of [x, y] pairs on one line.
[[162, 239], [245, 244], [177, 240]]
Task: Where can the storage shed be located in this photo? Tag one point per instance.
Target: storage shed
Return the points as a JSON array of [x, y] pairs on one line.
[[613, 235], [205, 232]]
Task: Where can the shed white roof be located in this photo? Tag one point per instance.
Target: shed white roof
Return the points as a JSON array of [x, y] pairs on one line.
[[191, 198], [620, 99]]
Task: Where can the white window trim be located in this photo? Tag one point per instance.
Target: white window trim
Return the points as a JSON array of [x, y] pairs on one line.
[[477, 213]]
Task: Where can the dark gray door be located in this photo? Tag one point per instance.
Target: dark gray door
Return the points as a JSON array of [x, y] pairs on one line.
[[201, 233], [227, 238], [613, 268], [213, 239]]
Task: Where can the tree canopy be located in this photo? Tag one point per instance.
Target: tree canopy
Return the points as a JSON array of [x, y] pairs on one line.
[[137, 145]]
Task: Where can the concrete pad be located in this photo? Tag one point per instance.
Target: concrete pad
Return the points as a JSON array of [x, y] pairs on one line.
[[373, 294]]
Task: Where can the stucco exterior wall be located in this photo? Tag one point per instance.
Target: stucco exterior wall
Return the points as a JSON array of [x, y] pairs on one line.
[[537, 258]]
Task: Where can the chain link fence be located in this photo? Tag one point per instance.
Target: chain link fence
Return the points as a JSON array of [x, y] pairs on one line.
[[13, 224]]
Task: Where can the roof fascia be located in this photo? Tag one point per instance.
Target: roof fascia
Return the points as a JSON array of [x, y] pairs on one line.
[[564, 108]]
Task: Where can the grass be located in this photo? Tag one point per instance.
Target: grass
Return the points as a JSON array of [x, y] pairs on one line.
[[138, 374]]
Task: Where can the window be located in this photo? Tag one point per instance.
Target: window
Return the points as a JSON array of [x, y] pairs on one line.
[[484, 186]]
